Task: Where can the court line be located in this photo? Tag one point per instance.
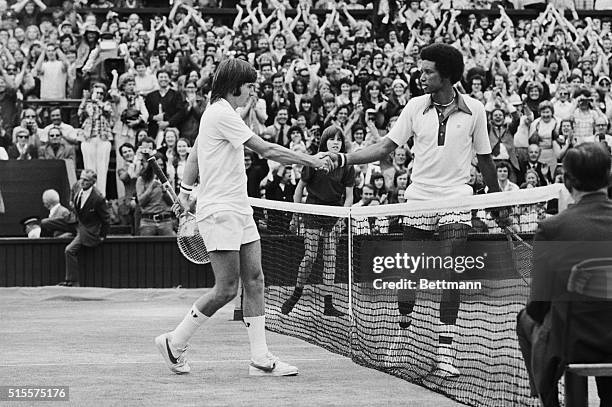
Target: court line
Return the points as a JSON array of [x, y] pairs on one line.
[[223, 361]]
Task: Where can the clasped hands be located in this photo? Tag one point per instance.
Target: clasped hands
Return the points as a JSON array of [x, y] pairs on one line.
[[326, 161]]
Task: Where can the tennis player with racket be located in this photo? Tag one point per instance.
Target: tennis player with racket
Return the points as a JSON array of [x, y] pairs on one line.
[[225, 219], [441, 170]]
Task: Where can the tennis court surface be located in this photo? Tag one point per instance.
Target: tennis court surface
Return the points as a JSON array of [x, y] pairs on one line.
[[99, 342]]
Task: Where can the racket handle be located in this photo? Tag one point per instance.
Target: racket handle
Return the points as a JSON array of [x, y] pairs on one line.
[[162, 177]]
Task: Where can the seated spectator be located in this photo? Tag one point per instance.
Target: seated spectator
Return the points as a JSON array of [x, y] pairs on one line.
[[546, 341], [21, 149], [602, 132], [61, 222], [503, 172], [55, 149], [154, 202], [542, 169]]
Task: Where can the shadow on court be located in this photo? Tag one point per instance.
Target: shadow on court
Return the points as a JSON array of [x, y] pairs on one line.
[[99, 342]]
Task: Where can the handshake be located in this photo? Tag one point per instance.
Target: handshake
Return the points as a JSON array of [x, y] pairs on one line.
[[327, 161]]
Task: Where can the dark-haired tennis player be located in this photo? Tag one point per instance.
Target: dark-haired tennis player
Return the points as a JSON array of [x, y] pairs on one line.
[[442, 158], [225, 219]]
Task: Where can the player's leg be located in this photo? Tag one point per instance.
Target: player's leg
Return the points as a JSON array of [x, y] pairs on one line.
[[222, 233], [330, 243], [173, 345], [311, 248], [453, 239], [263, 363], [406, 298]]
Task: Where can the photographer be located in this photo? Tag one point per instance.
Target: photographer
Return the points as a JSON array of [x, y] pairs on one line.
[[585, 115], [130, 114], [95, 112], [156, 216]]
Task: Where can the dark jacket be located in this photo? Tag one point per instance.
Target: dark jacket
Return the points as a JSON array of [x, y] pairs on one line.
[[93, 218], [31, 153], [173, 106], [579, 233]]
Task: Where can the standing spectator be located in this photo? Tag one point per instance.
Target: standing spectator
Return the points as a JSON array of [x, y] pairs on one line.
[[128, 173], [564, 141], [93, 223], [183, 147], [281, 188], [68, 132], [256, 170], [95, 113], [195, 108], [334, 188], [544, 130], [9, 112], [22, 149], [279, 131], [584, 116], [156, 216], [52, 73], [166, 107], [61, 222], [145, 81], [254, 114], [501, 137]]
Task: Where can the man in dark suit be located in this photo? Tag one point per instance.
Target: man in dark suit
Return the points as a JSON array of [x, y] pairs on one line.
[[579, 233], [173, 108], [280, 189], [93, 222], [535, 164]]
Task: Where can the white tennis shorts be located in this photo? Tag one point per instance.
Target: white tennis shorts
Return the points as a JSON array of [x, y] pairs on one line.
[[227, 230], [431, 220]]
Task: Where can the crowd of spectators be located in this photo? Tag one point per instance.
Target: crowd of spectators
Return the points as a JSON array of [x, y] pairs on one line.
[[143, 85]]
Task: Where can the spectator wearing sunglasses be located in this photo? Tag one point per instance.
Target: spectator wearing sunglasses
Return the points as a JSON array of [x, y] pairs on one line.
[[22, 149], [562, 105], [55, 149]]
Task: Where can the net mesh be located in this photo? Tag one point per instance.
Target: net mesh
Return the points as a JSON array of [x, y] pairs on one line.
[[317, 289]]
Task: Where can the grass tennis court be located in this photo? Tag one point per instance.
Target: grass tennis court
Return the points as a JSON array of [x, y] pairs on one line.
[[100, 343]]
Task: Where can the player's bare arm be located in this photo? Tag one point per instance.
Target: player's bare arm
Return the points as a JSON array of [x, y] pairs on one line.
[[283, 155], [489, 173], [368, 154]]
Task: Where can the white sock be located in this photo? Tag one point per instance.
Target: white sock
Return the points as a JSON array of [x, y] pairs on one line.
[[256, 328], [188, 326]]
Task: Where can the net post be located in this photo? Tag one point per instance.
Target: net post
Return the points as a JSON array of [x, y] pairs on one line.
[[350, 264]]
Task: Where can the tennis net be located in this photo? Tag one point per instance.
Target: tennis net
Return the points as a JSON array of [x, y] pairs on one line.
[[321, 286]]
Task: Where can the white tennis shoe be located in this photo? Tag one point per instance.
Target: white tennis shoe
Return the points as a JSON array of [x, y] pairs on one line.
[[271, 366], [177, 364], [445, 368]]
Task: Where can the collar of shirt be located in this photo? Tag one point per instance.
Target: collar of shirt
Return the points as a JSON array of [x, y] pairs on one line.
[[459, 104], [85, 195]]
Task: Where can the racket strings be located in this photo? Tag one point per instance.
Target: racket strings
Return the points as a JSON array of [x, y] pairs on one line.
[[190, 241]]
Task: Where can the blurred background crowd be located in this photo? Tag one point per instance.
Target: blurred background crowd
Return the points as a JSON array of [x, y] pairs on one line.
[[104, 85]]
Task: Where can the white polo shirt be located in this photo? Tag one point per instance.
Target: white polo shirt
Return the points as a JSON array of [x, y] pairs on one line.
[[223, 180], [443, 146]]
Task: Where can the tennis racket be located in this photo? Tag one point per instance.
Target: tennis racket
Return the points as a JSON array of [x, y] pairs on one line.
[[188, 239]]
